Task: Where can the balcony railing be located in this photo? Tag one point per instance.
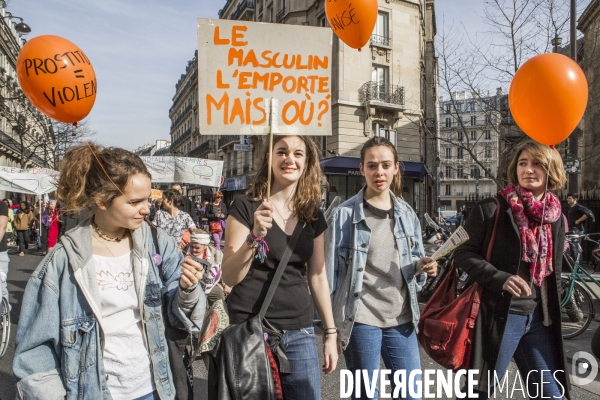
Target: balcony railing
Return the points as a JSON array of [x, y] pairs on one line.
[[247, 169], [280, 15], [241, 8], [203, 148], [378, 40], [16, 147], [227, 139], [381, 92]]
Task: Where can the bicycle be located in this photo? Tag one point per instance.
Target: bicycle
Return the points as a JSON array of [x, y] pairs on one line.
[[577, 309], [4, 321]]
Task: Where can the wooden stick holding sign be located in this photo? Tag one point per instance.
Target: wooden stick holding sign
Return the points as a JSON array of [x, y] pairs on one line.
[[273, 105]]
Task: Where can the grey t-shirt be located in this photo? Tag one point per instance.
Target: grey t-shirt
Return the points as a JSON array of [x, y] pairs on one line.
[[385, 300]]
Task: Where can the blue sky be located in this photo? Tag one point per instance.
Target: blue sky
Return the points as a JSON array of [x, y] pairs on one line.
[[139, 49]]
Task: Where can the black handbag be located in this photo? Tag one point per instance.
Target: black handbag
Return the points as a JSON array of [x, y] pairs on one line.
[[240, 359]]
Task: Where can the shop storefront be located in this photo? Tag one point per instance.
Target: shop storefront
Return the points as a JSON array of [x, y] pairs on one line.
[[345, 180], [233, 187]]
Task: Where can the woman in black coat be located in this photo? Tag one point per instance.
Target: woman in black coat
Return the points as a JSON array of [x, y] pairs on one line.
[[520, 314]]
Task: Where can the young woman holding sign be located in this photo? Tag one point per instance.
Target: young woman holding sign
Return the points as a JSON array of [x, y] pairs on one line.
[[254, 222]]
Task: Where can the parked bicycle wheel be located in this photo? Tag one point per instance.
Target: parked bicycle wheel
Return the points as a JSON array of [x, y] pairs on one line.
[[4, 326], [577, 312]]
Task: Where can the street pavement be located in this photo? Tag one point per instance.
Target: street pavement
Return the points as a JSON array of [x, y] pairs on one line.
[[22, 267]]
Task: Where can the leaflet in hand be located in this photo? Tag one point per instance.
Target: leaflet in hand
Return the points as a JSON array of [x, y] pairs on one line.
[[458, 237]]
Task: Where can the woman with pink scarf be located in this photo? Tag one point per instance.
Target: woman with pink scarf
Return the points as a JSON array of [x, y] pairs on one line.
[[519, 315]]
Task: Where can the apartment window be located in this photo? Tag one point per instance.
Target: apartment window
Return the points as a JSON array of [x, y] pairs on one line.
[[448, 122], [459, 152], [460, 120], [380, 130], [474, 171], [449, 136], [270, 14], [379, 77], [472, 106], [448, 172], [488, 119], [488, 152], [323, 21], [473, 120], [448, 108], [460, 174], [448, 152], [488, 135], [282, 4], [448, 190], [459, 107], [459, 190], [473, 135], [382, 25], [459, 136]]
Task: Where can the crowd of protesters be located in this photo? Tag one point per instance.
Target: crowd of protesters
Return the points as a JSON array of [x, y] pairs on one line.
[[119, 265]]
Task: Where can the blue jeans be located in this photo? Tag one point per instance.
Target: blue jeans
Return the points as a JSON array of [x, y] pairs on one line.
[[304, 383], [533, 347], [397, 345]]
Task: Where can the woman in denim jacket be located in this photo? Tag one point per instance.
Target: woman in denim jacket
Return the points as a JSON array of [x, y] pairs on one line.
[[92, 323], [375, 264]]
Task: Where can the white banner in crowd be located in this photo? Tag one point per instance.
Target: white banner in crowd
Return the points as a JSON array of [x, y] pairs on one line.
[[195, 171], [36, 181]]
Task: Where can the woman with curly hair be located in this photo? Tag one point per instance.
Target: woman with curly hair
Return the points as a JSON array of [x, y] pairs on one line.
[[295, 198]]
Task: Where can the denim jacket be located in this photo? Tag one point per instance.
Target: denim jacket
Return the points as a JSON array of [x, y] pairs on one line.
[[60, 337], [347, 241]]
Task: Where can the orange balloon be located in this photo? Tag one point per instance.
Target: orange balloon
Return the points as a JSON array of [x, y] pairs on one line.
[[547, 97], [57, 77], [352, 20]]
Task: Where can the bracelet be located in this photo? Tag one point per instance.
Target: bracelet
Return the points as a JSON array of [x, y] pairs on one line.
[[260, 244], [330, 331]]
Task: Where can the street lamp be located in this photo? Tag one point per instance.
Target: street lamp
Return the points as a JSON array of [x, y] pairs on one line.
[[21, 27]]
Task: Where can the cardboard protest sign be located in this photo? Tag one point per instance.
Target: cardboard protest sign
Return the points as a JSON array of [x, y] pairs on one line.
[[36, 181], [241, 65], [197, 171], [156, 194]]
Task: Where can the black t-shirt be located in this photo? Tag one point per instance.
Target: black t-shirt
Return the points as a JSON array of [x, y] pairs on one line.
[[291, 307], [576, 212], [3, 213]]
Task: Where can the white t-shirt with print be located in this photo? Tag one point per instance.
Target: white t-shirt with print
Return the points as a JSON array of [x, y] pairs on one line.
[[126, 359]]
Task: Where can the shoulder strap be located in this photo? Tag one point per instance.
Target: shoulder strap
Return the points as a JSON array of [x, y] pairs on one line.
[[488, 256], [280, 268]]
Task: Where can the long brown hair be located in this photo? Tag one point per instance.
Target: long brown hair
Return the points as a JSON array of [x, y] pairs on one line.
[[396, 185], [308, 191], [544, 155], [84, 184]]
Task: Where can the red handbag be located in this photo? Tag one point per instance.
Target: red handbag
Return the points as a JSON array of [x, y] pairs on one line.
[[447, 323], [215, 226]]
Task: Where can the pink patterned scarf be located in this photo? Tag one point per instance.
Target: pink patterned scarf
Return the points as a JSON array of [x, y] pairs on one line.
[[527, 211]]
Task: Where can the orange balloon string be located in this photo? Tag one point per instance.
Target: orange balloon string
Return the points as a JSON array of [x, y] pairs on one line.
[[120, 191]]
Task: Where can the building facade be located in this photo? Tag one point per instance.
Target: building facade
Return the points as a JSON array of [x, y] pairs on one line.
[[388, 89], [469, 147], [26, 135], [589, 25]]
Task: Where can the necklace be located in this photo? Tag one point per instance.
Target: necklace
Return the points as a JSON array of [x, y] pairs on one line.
[[286, 206], [108, 238]]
